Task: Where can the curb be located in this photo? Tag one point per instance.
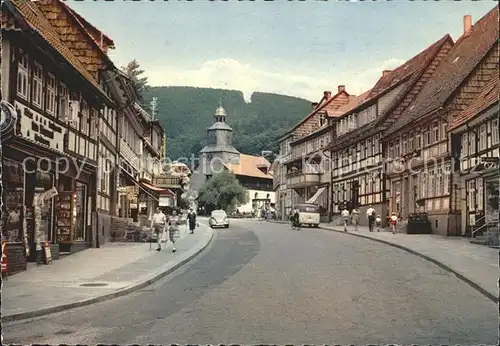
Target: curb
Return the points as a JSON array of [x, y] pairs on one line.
[[109, 296], [471, 283]]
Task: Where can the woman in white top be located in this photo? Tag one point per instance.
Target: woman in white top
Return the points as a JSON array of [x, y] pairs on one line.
[[394, 221], [355, 218]]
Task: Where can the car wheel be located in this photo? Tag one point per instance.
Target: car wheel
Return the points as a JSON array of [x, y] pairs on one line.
[[226, 226]]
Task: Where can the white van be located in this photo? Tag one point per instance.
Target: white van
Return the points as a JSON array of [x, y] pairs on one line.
[[309, 214]]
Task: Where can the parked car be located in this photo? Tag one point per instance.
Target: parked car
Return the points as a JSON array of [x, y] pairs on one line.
[[218, 218]]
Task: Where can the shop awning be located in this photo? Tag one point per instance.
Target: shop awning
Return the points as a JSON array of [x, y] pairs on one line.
[[318, 193], [158, 190], [140, 185]]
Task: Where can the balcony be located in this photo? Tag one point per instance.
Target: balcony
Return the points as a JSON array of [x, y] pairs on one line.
[[300, 179], [168, 182]]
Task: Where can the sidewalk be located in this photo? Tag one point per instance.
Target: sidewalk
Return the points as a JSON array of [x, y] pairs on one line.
[[478, 265], [96, 275]]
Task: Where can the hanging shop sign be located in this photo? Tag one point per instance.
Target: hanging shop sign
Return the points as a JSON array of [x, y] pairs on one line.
[[8, 117]]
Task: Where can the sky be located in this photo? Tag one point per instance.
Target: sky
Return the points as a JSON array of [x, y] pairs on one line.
[[286, 47]]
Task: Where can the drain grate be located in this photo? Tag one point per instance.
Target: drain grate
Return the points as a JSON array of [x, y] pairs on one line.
[[94, 284]]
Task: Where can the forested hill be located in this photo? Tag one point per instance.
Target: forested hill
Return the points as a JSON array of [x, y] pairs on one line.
[[187, 112]]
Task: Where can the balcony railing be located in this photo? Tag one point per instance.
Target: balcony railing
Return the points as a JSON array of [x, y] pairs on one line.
[[300, 179], [168, 182]]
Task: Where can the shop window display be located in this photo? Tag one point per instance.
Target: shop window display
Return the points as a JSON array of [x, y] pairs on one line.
[[13, 194]]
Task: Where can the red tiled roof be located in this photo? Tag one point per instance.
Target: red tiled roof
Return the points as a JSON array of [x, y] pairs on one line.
[[37, 21], [487, 97], [248, 166], [322, 104], [93, 31], [353, 103], [460, 61], [410, 72]]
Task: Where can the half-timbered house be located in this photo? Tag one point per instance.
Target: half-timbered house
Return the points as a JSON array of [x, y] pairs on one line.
[[356, 150], [302, 161], [476, 146], [50, 74], [417, 145]]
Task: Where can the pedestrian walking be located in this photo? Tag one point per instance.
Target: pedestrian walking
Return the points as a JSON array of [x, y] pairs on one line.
[[355, 218], [191, 218], [158, 224], [370, 213], [173, 229], [378, 221], [345, 217], [394, 221]]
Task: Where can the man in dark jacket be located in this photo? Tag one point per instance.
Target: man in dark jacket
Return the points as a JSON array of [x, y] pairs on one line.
[[191, 217]]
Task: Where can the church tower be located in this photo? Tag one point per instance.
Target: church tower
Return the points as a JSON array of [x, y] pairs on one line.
[[219, 149]]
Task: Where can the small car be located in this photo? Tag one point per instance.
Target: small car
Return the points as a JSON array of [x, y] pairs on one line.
[[218, 218]]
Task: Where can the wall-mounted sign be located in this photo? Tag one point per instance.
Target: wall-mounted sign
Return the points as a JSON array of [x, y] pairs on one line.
[[40, 129], [8, 117]]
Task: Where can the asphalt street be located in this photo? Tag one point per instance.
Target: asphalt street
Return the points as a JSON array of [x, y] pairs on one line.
[[265, 283]]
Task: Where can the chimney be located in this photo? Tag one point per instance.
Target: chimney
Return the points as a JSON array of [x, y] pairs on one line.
[[341, 88], [386, 72], [314, 105], [467, 24], [328, 94]]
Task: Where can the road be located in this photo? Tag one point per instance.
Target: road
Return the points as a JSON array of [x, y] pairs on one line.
[[264, 283]]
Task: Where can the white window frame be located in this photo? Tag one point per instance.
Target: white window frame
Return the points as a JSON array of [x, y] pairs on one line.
[[494, 132], [472, 143], [465, 145], [38, 91], [431, 188], [51, 94], [471, 191], [482, 137], [23, 77], [84, 118], [439, 182], [480, 193], [63, 112], [446, 179]]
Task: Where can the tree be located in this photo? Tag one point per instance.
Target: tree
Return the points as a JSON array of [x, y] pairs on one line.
[[223, 191], [140, 83]]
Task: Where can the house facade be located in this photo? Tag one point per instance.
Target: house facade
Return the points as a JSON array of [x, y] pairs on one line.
[[357, 150], [303, 170], [50, 76], [475, 146], [420, 173]]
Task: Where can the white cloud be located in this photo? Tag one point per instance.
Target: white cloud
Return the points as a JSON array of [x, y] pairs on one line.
[[227, 73]]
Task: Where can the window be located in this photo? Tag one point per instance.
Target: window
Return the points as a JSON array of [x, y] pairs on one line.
[[482, 137], [427, 137], [405, 145], [432, 184], [494, 132], [480, 194], [444, 128], [471, 195], [322, 119], [369, 147], [23, 76], [423, 185], [38, 85], [472, 143], [411, 142], [84, 118], [439, 183], [63, 102], [435, 133], [446, 179], [51, 94], [465, 145]]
